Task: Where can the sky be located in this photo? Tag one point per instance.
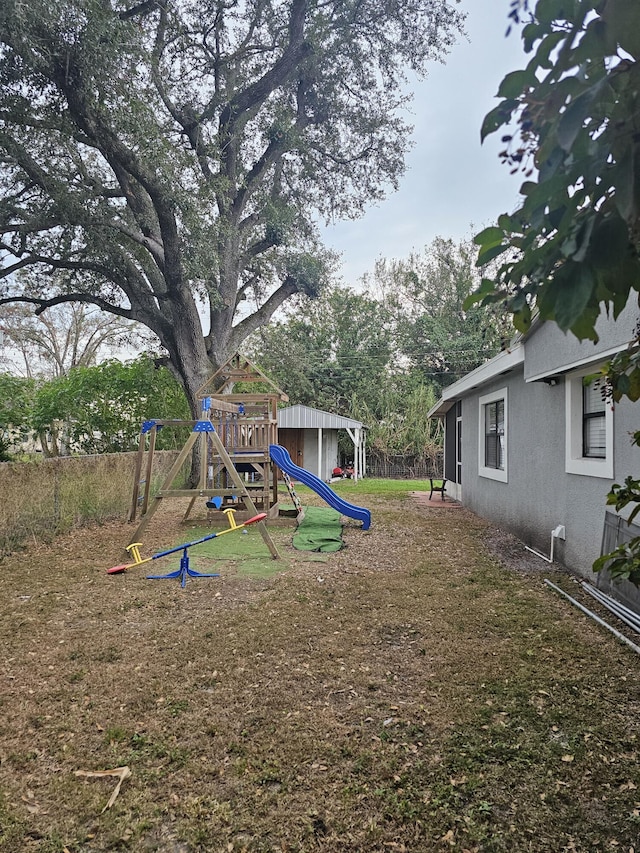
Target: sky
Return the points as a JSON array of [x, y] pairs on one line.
[[454, 185]]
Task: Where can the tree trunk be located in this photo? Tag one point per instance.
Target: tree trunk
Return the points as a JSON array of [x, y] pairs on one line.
[[190, 362]]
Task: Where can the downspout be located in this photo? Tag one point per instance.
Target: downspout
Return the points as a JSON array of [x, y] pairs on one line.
[[320, 454], [558, 532]]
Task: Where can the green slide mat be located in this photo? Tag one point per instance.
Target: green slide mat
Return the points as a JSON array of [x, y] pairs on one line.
[[320, 530]]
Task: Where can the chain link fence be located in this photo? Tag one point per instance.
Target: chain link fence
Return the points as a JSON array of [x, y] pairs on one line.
[[405, 468]]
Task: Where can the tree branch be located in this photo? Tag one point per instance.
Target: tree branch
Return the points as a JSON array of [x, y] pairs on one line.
[[86, 298], [243, 105], [143, 8], [67, 75], [263, 314]]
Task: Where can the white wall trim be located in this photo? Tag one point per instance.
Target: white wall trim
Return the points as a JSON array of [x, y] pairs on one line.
[[499, 474], [596, 358], [575, 462]]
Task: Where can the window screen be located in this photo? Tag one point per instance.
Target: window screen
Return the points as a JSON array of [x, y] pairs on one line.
[[593, 422], [494, 435]]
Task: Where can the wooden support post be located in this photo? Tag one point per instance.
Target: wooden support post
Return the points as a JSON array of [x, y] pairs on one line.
[[202, 482], [203, 461], [173, 473], [136, 479], [185, 517], [149, 472]]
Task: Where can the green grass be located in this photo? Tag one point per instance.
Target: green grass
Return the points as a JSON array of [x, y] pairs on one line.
[[374, 487], [243, 552]]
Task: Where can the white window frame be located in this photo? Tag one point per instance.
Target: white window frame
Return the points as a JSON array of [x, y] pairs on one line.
[[575, 462], [499, 474]]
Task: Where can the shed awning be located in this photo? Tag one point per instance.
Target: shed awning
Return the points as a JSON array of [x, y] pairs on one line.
[[304, 417]]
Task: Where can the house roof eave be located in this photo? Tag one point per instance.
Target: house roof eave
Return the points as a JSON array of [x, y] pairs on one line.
[[502, 363]]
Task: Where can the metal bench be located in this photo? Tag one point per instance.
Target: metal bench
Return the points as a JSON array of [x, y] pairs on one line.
[[436, 488]]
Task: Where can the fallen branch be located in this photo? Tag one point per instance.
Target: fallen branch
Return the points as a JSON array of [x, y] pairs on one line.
[[121, 773]]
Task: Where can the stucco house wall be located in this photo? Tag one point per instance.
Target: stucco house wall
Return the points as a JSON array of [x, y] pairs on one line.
[[543, 485], [548, 349], [539, 495]]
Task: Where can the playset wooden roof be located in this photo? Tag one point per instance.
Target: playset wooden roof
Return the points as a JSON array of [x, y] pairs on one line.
[[239, 369]]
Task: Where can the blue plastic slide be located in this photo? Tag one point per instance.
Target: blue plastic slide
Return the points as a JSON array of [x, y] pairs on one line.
[[280, 456]]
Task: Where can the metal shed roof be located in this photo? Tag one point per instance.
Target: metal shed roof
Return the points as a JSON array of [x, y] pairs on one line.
[[304, 417]]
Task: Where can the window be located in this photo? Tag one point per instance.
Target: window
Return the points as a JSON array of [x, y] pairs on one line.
[[494, 435], [492, 444], [593, 422], [589, 427]]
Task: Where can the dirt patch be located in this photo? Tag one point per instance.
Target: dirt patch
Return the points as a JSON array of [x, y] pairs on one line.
[[512, 553]]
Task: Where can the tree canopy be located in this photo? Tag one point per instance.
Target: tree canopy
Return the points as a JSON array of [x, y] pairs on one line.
[[441, 338], [167, 159], [574, 241], [99, 408], [16, 402], [571, 123], [90, 409], [331, 349], [340, 353]]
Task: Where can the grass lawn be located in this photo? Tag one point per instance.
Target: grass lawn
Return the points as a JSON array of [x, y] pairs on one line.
[[408, 693]]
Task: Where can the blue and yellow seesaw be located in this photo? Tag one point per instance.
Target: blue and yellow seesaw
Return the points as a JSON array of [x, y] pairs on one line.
[[184, 570]]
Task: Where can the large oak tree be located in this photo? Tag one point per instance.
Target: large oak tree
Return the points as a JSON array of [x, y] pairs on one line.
[[173, 157]]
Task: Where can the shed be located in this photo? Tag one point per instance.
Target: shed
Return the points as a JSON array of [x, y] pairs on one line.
[[311, 437]]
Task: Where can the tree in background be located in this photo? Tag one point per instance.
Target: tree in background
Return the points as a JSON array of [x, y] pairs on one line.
[[99, 409], [574, 241], [66, 336], [441, 337], [329, 350], [340, 353], [165, 157], [400, 429], [16, 401]]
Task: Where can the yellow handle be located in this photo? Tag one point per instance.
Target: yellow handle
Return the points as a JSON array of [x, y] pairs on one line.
[[230, 513], [134, 550]]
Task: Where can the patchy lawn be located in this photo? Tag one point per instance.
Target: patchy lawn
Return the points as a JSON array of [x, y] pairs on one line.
[[409, 693]]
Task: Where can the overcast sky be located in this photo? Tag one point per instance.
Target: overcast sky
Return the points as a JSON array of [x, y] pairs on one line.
[[453, 185]]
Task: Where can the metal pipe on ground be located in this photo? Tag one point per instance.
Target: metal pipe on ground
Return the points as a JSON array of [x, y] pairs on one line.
[[593, 616], [616, 607]]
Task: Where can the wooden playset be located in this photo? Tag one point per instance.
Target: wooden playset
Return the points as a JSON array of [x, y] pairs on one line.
[[234, 432]]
